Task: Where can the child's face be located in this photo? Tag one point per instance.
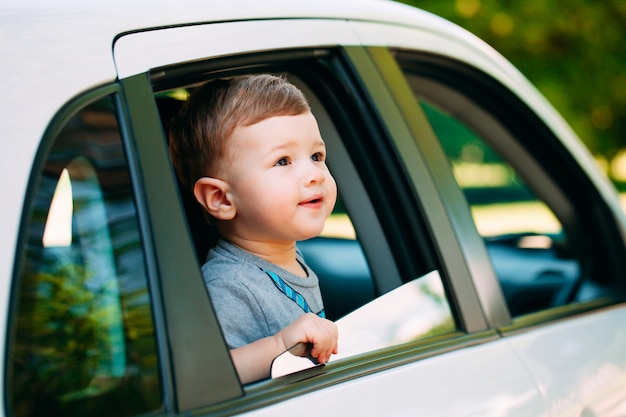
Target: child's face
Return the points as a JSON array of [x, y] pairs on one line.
[[278, 180]]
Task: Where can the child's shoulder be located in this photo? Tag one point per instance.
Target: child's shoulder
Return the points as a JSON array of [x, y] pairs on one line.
[[230, 263]]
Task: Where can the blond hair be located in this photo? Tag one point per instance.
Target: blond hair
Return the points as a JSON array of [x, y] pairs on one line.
[[198, 136]]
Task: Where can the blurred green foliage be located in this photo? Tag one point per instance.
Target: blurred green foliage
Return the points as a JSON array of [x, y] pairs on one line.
[[573, 51]]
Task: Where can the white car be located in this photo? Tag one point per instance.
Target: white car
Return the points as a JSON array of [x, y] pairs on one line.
[[465, 200]]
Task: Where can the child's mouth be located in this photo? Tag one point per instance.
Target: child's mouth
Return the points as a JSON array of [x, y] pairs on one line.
[[314, 202]]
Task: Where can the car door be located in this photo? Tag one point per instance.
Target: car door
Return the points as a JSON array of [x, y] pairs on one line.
[[401, 231]]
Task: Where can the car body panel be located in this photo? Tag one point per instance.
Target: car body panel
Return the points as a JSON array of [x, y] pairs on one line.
[[421, 388], [579, 366]]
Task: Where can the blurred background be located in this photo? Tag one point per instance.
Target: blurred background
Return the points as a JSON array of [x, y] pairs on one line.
[[573, 51]]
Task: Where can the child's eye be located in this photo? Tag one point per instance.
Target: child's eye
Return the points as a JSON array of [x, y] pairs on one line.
[[318, 157], [282, 162]]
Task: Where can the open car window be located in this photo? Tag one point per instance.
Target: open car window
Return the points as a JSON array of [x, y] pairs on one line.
[[352, 256]]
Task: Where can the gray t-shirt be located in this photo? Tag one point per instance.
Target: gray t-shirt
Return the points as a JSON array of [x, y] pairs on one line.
[[249, 306]]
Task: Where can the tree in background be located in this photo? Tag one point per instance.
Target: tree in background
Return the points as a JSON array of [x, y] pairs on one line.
[[573, 52]]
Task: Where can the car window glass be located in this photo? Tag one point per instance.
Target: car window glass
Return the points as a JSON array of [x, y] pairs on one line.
[[83, 339], [527, 244], [522, 234]]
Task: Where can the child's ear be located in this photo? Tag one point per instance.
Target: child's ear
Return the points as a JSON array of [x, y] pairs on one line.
[[212, 194]]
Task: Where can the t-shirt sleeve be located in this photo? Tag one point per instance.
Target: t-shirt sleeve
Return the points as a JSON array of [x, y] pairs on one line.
[[236, 308]]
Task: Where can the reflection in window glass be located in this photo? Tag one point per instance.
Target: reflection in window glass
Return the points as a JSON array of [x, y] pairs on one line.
[[82, 332], [58, 231]]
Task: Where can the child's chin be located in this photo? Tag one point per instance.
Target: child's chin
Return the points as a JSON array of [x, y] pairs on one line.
[[307, 236]]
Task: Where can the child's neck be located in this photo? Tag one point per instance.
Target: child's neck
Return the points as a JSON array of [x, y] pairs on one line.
[[281, 254]]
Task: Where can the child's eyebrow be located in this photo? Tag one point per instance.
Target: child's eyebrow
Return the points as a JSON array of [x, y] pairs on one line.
[[289, 143]]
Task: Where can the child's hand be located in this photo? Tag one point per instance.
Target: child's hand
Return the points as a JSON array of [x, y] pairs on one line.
[[322, 334]]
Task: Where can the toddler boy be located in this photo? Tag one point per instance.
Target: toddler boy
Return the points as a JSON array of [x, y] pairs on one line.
[[250, 150]]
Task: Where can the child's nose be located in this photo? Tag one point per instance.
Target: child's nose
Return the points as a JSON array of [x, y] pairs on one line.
[[315, 174]]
